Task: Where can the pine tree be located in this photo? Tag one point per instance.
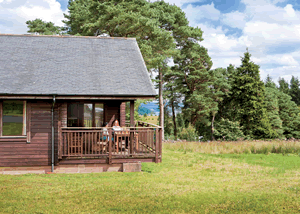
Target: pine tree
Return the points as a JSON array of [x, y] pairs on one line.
[[290, 115], [42, 27], [220, 89], [272, 106], [227, 108], [284, 86], [173, 98], [192, 74], [249, 95], [294, 91]]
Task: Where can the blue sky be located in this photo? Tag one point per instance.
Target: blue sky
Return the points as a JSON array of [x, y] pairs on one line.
[[269, 28]]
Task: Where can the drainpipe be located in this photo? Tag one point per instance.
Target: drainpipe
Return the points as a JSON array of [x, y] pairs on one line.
[[52, 138]]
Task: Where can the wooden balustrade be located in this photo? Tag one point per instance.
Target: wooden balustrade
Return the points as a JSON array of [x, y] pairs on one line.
[[82, 142]]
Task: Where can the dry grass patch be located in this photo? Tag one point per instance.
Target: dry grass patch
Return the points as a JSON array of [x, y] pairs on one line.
[[239, 147]]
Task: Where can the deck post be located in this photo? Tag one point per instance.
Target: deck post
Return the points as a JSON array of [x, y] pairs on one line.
[[131, 125], [110, 147]]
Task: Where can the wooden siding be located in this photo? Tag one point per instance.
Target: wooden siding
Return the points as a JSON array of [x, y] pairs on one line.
[[35, 149], [17, 152]]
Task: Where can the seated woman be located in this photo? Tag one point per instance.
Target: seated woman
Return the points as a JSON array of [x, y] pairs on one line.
[[116, 126], [120, 142]]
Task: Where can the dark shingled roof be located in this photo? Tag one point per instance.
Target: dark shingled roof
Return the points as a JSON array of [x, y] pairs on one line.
[[43, 65]]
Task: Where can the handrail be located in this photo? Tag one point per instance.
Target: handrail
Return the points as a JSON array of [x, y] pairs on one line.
[[100, 128], [149, 124]]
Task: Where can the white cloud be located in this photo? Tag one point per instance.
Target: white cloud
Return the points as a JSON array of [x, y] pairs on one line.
[[264, 27], [15, 15], [5, 1], [234, 19], [196, 13], [290, 10]]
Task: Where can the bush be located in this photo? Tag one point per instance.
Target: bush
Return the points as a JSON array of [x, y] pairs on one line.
[[188, 133], [228, 130]]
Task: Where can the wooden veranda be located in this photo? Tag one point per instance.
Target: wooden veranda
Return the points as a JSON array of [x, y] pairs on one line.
[[143, 141]]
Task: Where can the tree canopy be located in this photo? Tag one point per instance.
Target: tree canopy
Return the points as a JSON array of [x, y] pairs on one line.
[[41, 27]]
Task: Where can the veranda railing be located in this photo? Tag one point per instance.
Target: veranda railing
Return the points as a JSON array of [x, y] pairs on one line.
[[108, 143]]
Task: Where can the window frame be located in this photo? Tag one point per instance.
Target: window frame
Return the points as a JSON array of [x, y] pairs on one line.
[[93, 113], [24, 129]]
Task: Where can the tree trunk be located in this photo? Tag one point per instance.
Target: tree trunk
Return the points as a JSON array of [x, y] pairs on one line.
[[161, 104], [174, 119], [212, 127]]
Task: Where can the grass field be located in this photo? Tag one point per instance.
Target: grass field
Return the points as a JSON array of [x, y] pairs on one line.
[[189, 180], [151, 119]]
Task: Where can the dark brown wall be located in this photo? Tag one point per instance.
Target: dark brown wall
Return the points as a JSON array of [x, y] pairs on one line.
[[16, 152]]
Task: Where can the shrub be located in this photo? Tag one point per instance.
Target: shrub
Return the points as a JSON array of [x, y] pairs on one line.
[[188, 133], [228, 130]]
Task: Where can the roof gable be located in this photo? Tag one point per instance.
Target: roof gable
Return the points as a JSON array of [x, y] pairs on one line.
[[72, 66]]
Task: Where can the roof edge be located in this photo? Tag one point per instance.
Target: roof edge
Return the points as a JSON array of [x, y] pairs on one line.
[[73, 97], [62, 36]]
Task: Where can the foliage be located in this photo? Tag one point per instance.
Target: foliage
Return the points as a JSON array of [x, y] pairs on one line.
[[42, 27], [228, 130], [188, 133], [249, 94], [168, 125], [133, 18], [283, 86], [294, 91], [180, 121], [289, 114], [191, 73], [272, 107]]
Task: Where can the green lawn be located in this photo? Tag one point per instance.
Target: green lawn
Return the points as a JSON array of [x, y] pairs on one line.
[[186, 182]]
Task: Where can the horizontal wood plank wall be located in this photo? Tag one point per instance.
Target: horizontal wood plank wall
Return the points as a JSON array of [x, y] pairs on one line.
[[112, 112], [122, 114], [16, 152]]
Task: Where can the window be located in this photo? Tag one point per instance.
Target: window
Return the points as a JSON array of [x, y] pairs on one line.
[[85, 115], [13, 118], [99, 115]]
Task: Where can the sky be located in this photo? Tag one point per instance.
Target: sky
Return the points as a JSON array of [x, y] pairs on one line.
[[270, 29]]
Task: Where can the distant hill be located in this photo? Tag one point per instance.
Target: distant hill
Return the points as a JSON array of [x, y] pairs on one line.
[[153, 108], [149, 108]]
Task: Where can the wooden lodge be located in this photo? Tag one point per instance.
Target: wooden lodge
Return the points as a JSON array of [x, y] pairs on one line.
[[62, 97]]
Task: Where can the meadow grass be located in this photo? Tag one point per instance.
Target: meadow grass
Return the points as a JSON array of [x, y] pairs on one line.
[[238, 147], [151, 119], [187, 181]]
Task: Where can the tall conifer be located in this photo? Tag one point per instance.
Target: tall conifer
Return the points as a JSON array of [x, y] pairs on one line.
[[249, 93]]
